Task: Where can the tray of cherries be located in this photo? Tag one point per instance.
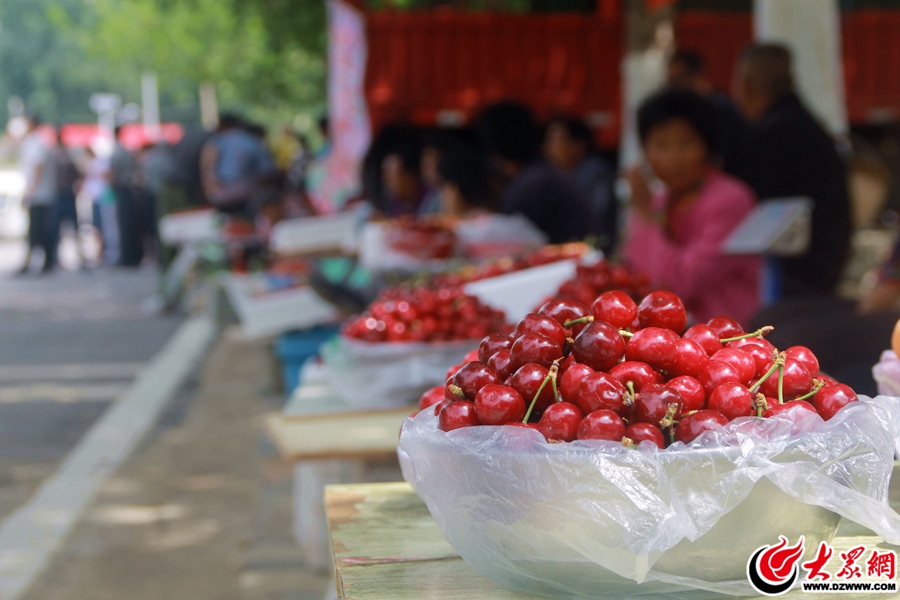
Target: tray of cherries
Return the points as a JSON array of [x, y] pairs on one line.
[[626, 372], [606, 446]]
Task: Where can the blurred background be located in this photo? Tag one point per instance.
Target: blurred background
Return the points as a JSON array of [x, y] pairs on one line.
[[195, 194]]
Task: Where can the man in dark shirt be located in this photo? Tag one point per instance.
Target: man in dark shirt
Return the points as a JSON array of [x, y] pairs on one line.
[[687, 70], [532, 187], [790, 154]]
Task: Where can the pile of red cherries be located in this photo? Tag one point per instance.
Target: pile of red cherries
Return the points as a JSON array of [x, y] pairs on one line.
[[425, 314], [592, 279], [619, 371]]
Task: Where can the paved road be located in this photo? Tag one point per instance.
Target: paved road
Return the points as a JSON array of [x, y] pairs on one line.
[[70, 343]]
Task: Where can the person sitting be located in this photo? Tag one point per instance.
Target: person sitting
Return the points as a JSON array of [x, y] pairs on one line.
[[569, 145], [675, 236], [403, 189], [790, 154], [687, 70], [531, 187], [482, 232]]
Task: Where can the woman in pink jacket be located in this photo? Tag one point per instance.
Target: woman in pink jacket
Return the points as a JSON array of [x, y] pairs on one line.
[[676, 234]]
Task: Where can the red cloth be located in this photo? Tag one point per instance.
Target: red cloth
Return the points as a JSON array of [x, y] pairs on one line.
[[687, 260]]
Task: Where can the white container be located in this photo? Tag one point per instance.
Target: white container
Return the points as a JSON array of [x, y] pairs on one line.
[[310, 235], [262, 312]]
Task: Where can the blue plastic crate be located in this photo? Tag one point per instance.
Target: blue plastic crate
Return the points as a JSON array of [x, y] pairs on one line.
[[295, 348]]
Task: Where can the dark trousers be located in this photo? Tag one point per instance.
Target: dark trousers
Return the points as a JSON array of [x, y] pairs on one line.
[[132, 251], [43, 231]]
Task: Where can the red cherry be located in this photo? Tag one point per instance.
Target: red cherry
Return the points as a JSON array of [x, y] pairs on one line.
[[458, 414], [471, 356], [692, 395], [833, 398], [601, 425], [431, 397], [732, 400], [502, 363], [560, 422], [439, 406], [473, 376], [640, 432], [616, 308], [779, 409], [693, 425], [601, 391], [725, 327], [535, 323], [571, 379], [534, 348], [652, 403], [527, 381], [499, 404], [690, 358], [796, 381], [716, 373], [759, 341], [804, 356], [740, 360], [706, 337], [564, 365], [638, 373], [653, 346], [492, 344], [599, 346], [761, 357], [663, 309], [564, 310]]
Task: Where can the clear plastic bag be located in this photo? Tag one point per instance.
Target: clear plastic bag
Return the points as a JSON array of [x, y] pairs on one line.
[[594, 519], [388, 375]]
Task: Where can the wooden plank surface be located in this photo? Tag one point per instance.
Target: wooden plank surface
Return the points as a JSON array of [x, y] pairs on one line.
[[336, 435], [387, 546]]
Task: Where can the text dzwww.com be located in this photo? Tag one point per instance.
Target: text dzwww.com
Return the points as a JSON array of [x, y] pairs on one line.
[[875, 588]]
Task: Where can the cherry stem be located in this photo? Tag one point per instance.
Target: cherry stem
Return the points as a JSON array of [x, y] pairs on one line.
[[626, 333], [587, 319], [779, 361], [671, 431], [457, 391], [760, 404], [669, 419], [818, 384], [628, 443], [554, 369], [629, 395], [758, 333], [781, 383], [551, 375]]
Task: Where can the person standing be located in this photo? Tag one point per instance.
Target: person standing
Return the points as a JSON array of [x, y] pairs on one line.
[[123, 171], [790, 154], [67, 180], [37, 164]]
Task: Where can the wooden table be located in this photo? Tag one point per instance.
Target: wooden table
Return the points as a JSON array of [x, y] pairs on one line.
[[387, 546]]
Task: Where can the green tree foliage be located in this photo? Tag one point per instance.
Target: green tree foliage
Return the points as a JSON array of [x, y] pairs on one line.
[[65, 49]]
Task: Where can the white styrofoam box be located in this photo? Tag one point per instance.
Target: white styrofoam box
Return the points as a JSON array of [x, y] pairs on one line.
[[186, 227], [275, 312], [520, 292], [376, 255], [313, 234]]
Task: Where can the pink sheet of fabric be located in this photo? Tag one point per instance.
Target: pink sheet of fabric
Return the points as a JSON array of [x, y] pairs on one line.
[[688, 259]]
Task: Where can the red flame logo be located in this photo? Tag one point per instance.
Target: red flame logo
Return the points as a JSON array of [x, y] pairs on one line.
[[772, 570], [777, 563]]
